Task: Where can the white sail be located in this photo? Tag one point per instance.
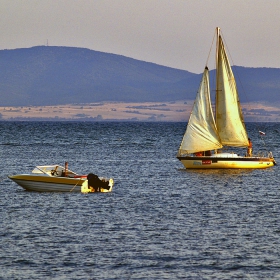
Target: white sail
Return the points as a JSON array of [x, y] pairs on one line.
[[201, 133], [229, 119]]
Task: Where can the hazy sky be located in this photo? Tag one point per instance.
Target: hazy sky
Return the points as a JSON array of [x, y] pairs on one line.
[[175, 33]]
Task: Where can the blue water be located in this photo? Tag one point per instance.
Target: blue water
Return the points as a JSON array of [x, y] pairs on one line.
[[160, 222]]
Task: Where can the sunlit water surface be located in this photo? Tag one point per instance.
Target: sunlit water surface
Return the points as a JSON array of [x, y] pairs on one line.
[[160, 221]]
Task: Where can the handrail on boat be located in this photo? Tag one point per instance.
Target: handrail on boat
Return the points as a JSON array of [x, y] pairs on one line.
[[42, 170]]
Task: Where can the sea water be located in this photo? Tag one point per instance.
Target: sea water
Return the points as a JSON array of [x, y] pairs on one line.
[[160, 222]]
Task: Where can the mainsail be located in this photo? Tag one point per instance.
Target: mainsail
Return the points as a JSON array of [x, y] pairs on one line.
[[229, 119], [201, 133]]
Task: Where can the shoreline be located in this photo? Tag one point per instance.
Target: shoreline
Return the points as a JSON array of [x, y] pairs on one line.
[[178, 111]]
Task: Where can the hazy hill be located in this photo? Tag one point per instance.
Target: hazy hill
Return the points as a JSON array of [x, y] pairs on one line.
[[258, 84], [61, 75]]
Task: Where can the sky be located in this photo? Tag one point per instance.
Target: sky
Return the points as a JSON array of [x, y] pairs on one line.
[[174, 33]]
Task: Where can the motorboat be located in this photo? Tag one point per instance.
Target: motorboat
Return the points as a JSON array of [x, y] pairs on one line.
[[56, 178]]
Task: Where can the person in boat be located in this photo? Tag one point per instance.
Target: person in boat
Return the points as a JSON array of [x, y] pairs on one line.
[[250, 148], [207, 153], [64, 173]]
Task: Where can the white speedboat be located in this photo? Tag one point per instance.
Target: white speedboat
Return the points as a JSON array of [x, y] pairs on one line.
[[55, 178]]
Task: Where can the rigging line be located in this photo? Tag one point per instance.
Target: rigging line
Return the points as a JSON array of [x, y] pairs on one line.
[[212, 77], [265, 146], [233, 64], [75, 185], [210, 49], [263, 141]]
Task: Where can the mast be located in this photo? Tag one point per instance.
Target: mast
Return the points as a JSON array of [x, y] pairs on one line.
[[217, 45], [217, 58]]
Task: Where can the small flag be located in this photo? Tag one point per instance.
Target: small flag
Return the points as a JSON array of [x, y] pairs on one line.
[[261, 133]]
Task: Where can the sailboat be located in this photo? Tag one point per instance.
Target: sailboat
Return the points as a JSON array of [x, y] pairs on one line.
[[206, 135]]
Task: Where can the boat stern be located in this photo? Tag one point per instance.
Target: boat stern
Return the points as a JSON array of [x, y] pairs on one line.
[[107, 186]]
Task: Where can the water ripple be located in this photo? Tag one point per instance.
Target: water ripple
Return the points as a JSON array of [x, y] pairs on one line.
[[160, 222]]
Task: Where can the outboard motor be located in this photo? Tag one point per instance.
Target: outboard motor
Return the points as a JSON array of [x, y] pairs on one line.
[[96, 183], [93, 181]]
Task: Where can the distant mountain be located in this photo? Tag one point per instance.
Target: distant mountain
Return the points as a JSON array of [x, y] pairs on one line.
[[258, 84], [46, 75]]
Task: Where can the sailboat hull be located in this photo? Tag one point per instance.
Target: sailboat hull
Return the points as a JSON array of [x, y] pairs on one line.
[[226, 162]]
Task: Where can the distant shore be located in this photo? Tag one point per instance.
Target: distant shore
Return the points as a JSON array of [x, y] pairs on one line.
[[119, 111]]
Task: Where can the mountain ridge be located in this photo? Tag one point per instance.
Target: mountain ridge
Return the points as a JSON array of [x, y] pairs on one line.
[[51, 75]]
